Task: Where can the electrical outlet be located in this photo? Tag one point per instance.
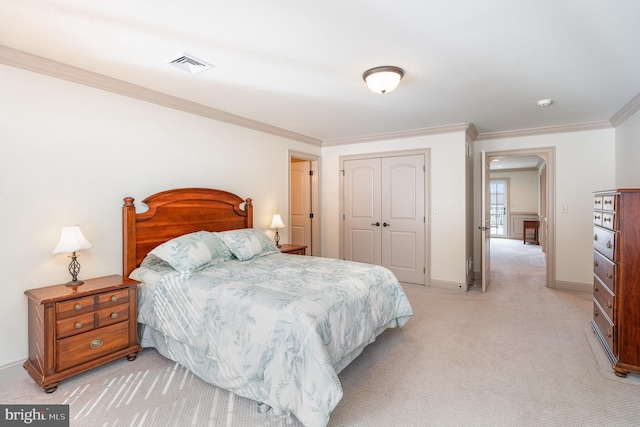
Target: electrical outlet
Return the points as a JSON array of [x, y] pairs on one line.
[[565, 209]]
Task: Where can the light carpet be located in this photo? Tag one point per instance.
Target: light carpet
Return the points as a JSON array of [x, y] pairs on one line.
[[518, 355]]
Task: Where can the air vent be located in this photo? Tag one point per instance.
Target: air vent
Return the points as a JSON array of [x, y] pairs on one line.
[[188, 63]]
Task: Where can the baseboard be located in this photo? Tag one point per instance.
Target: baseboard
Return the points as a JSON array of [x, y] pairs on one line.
[[449, 285], [574, 286], [11, 370]]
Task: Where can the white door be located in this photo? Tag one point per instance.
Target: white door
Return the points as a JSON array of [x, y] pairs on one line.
[[403, 217], [485, 224], [384, 220], [300, 204], [362, 211]]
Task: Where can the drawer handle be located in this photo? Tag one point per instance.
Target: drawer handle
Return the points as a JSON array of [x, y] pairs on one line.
[[596, 217], [595, 288], [598, 202], [595, 263], [609, 275], [78, 325], [595, 237], [97, 343], [609, 244], [607, 220], [608, 333], [609, 305], [607, 202], [77, 307], [114, 298], [595, 313], [114, 315]]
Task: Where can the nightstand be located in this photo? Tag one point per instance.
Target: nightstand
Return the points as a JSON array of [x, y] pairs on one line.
[[293, 249], [74, 329]]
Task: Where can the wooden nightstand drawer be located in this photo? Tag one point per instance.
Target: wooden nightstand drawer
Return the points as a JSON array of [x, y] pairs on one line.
[[111, 315], [293, 249], [74, 307], [109, 299], [91, 345], [75, 325]]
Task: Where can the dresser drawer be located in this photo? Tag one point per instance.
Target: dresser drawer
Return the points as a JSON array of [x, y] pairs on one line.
[[109, 299], [607, 329], [604, 242], [609, 220], [91, 345], [609, 202], [597, 202], [74, 307], [75, 325], [605, 270], [597, 218], [111, 315], [605, 298]]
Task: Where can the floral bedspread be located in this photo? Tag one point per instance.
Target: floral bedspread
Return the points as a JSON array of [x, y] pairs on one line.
[[276, 329]]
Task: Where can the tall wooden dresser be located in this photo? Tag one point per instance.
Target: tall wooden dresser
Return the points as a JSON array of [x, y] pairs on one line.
[[616, 277]]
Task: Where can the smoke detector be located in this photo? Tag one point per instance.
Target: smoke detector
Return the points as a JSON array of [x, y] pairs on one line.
[[545, 102], [188, 63]]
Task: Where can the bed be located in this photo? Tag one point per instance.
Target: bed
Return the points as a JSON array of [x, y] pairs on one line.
[[218, 297]]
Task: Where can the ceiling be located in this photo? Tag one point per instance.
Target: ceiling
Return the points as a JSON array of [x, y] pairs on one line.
[[297, 65]]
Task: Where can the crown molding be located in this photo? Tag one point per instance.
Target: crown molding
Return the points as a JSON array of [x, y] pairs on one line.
[[546, 130], [462, 127], [627, 111], [41, 65]]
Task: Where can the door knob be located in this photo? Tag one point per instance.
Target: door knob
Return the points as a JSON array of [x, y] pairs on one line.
[[384, 224], [377, 224]]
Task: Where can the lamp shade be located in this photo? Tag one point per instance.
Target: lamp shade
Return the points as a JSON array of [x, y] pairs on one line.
[[71, 240], [277, 222], [383, 79]]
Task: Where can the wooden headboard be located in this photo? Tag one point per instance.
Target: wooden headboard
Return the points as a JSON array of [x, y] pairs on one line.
[[176, 212]]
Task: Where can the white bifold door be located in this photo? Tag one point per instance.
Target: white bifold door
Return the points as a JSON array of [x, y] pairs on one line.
[[384, 214]]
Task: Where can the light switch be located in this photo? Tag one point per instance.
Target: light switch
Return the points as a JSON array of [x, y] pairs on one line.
[[436, 210]]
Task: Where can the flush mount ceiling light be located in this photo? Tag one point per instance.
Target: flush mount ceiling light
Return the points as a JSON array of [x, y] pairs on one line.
[[545, 102], [383, 79]]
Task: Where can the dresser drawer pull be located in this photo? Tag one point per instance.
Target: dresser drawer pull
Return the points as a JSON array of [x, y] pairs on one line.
[[595, 237], [596, 217], [114, 315], [595, 313], [608, 333], [97, 343], [595, 263], [607, 220], [609, 275], [598, 202], [609, 244], [595, 288], [607, 202], [78, 325], [77, 307], [114, 298], [609, 305]]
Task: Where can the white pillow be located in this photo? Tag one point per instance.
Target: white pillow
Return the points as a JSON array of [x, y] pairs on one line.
[[192, 251], [247, 243]]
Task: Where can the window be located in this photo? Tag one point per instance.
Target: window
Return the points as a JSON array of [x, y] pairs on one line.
[[498, 208]]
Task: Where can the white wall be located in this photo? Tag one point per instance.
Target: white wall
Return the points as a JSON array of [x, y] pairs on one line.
[[584, 163], [447, 194], [628, 153], [523, 190], [69, 154]]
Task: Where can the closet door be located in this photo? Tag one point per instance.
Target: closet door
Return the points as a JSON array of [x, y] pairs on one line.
[[384, 221], [362, 237], [403, 216]]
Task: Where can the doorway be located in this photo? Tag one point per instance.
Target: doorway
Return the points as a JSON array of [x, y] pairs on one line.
[[304, 203], [546, 202], [499, 201]]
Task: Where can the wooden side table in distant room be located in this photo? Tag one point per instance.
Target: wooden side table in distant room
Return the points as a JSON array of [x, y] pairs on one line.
[[293, 249], [533, 226]]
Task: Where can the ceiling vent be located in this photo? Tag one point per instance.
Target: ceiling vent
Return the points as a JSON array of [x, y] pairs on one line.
[[188, 63]]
